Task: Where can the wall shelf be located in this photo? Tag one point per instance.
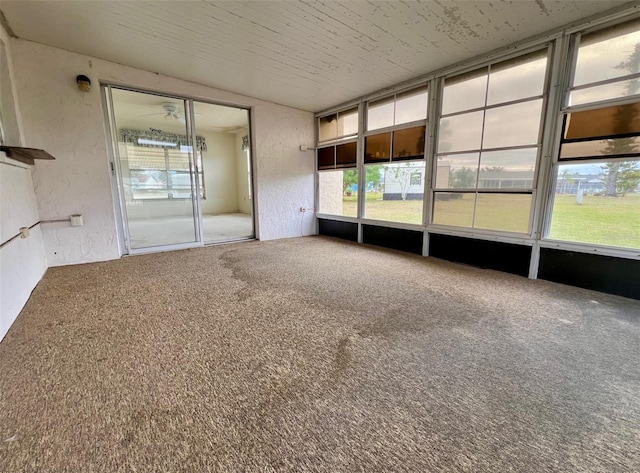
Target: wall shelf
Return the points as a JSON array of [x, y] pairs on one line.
[[25, 155]]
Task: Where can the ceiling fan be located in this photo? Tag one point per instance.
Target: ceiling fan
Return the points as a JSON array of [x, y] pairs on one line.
[[170, 112]]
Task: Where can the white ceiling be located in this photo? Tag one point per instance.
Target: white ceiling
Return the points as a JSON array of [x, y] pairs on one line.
[[306, 54]]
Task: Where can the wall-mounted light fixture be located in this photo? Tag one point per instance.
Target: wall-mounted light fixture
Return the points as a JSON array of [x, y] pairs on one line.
[[84, 83]]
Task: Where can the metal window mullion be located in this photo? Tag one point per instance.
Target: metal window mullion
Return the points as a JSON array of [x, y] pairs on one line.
[[562, 75], [362, 176], [433, 109]]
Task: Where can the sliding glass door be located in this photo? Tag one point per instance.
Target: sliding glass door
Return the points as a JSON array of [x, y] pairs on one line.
[[157, 170], [180, 181]]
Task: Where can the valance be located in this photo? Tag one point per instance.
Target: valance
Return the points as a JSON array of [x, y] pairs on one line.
[[149, 136]]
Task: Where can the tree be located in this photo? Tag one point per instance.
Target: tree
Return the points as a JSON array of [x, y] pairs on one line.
[[373, 175], [401, 174], [618, 176], [462, 178], [349, 178]]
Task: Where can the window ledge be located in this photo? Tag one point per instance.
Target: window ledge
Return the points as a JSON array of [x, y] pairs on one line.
[[25, 155]]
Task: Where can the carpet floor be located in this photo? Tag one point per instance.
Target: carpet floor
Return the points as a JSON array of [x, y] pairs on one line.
[[313, 354]]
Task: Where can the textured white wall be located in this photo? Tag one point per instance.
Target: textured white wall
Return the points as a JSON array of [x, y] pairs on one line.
[[22, 262], [70, 125]]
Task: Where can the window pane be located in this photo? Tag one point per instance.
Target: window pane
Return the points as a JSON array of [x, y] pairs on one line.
[[601, 122], [454, 208], [149, 184], [395, 192], [328, 128], [326, 158], [380, 114], [607, 54], [377, 148], [465, 92], [505, 212], [409, 143], [411, 106], [518, 78], [598, 204], [346, 155], [512, 125], [460, 132], [348, 122], [337, 192], [457, 171], [178, 161], [604, 92], [509, 169], [621, 147]]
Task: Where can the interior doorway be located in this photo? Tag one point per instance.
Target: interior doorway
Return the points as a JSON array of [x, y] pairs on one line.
[[182, 170]]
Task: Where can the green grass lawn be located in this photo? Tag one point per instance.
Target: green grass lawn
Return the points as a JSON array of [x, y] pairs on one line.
[[601, 220], [613, 221]]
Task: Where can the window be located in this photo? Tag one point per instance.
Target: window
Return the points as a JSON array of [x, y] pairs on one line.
[[597, 188], [338, 192], [488, 145], [394, 159], [398, 109], [338, 125], [337, 154], [607, 64], [161, 173]]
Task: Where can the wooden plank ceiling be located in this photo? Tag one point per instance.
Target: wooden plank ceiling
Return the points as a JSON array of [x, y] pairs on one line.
[[306, 54]]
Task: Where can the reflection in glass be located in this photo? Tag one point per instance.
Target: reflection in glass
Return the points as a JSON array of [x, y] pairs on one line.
[[615, 147], [517, 78], [377, 148], [408, 143], [327, 127], [346, 155], [348, 122], [337, 193], [604, 92], [395, 192], [457, 171], [601, 53], [380, 114], [411, 106], [509, 169], [503, 212], [597, 204], [460, 132], [465, 92], [454, 208], [512, 125], [326, 157], [601, 122]]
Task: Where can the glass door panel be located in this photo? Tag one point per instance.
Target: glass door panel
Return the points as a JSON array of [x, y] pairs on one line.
[[156, 168], [225, 172]]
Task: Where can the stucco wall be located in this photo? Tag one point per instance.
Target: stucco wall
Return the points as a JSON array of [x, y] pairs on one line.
[[70, 125], [22, 261]]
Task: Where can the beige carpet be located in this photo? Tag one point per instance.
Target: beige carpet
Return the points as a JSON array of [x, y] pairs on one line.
[[313, 354]]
